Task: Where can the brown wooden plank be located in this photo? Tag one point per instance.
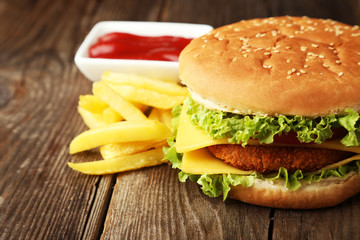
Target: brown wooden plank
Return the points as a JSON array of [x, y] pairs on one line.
[[218, 13], [40, 197], [153, 204], [339, 222]]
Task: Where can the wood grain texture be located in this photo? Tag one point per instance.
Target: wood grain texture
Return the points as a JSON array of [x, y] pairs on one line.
[[41, 198], [152, 204], [339, 222]]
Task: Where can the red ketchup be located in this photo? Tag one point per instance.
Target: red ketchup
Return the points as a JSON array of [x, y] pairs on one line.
[[117, 45]]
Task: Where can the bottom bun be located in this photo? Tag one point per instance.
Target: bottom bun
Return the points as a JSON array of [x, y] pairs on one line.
[[325, 193]]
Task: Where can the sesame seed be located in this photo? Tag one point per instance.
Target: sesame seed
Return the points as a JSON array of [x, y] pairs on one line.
[[288, 77], [332, 44], [234, 59], [291, 36], [331, 48], [268, 49], [287, 47], [338, 32], [303, 48], [245, 55], [325, 65], [355, 34], [306, 66], [340, 74], [293, 70], [358, 63], [338, 61], [315, 45], [289, 72], [267, 53], [312, 28], [335, 51], [276, 51], [288, 60], [269, 66], [302, 71], [321, 56], [298, 73], [204, 45]]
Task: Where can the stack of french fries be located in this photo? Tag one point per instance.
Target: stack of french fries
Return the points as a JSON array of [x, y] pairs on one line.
[[127, 138]]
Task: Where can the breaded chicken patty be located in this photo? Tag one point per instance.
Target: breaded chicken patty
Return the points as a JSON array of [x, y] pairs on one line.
[[266, 159]]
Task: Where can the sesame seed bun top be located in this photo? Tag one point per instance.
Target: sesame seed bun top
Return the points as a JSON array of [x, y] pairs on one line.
[[280, 65]]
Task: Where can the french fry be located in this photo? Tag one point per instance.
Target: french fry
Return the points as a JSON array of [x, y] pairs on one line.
[[117, 102], [140, 106], [136, 142], [111, 116], [169, 88], [125, 131], [120, 149], [162, 115], [155, 114], [166, 117], [148, 97], [92, 103], [120, 164], [91, 119]]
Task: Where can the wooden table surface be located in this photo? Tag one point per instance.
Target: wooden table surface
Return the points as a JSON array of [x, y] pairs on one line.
[[42, 198]]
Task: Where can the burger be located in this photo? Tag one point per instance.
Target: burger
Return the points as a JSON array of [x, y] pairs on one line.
[[272, 115]]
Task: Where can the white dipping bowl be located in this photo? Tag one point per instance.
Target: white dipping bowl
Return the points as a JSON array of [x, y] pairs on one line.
[[93, 68]]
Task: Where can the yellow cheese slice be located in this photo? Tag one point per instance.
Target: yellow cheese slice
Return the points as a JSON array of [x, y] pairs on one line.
[[343, 162], [333, 144], [190, 138], [201, 161]]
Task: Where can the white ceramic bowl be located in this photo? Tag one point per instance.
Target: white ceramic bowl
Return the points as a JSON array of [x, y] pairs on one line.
[[93, 68]]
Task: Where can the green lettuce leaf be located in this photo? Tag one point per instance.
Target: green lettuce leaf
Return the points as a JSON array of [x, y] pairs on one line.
[[240, 128]]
